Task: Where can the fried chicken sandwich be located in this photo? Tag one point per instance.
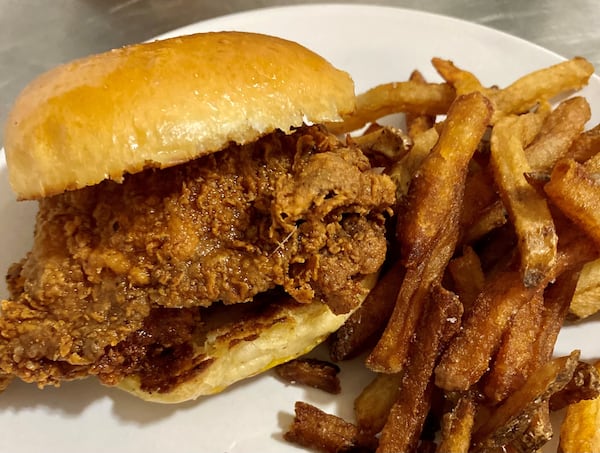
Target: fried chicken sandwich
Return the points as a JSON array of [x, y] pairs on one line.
[[197, 223]]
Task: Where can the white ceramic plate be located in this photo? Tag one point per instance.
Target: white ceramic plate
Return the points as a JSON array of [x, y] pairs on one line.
[[374, 44]]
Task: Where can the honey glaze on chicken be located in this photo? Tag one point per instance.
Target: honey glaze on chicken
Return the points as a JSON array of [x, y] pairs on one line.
[[121, 270]]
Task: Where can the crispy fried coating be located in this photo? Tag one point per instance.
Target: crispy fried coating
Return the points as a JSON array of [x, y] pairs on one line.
[[300, 211]]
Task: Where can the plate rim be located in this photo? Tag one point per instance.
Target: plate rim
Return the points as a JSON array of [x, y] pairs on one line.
[[50, 410]]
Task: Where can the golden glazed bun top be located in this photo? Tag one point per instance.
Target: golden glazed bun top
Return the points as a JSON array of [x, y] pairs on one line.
[[163, 103]]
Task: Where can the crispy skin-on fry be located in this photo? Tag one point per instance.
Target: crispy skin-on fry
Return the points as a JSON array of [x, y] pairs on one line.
[[467, 276], [527, 208], [386, 141], [542, 85], [520, 205], [437, 190], [391, 351], [497, 250], [511, 365], [469, 354], [479, 192], [370, 318], [372, 406], [556, 303], [586, 299], [404, 422], [312, 372], [418, 123], [490, 218], [586, 145], [463, 81], [556, 306], [439, 322], [538, 432], [584, 385], [396, 97], [324, 432], [560, 129], [403, 171], [577, 194], [457, 426], [511, 418], [429, 229], [442, 320], [592, 165], [580, 429], [480, 196]]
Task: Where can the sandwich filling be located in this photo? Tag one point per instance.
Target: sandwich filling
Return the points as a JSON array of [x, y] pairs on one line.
[[121, 275]]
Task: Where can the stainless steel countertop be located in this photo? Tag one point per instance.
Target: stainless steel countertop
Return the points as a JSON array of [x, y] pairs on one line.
[[36, 35]]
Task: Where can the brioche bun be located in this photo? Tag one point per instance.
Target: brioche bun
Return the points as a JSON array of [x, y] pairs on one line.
[[161, 104]]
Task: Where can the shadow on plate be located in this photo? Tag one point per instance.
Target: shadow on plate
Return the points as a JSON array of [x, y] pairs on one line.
[[73, 398], [70, 400]]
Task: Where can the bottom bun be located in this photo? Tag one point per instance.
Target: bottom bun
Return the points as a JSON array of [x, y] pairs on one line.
[[243, 346]]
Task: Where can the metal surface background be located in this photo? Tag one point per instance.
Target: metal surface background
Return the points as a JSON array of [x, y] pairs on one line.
[[36, 35]]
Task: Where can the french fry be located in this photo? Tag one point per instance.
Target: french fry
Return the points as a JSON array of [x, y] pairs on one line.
[[592, 165], [440, 321], [403, 171], [457, 426], [430, 224], [584, 385], [391, 350], [586, 299], [418, 123], [527, 208], [468, 355], [438, 187], [467, 276], [376, 400], [576, 192], [538, 432], [324, 432], [512, 363], [557, 134], [480, 195], [369, 319], [464, 82], [556, 306], [542, 85], [512, 417], [500, 202], [556, 303], [586, 145], [372, 406], [388, 142], [490, 218], [580, 429], [402, 428], [396, 97], [311, 372]]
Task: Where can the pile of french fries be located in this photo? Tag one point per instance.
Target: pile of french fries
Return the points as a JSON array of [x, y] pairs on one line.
[[497, 242]]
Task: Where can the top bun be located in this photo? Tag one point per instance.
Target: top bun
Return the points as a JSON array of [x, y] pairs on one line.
[[163, 103]]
